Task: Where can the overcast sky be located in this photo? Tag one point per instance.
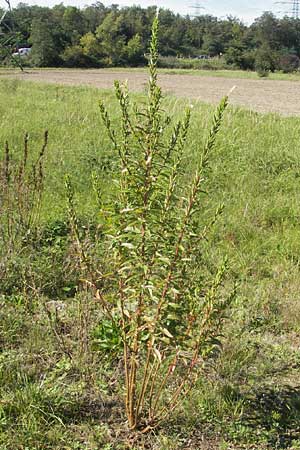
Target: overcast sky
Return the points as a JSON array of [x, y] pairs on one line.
[[244, 9]]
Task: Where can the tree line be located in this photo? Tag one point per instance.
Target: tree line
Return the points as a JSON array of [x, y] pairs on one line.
[[100, 36]]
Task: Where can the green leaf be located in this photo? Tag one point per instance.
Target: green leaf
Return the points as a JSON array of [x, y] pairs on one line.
[[167, 333]]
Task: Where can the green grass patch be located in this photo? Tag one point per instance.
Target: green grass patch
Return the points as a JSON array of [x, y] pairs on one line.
[[219, 73], [250, 397]]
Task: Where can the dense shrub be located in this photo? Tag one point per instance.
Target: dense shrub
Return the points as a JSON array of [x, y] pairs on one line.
[[76, 57], [172, 62], [289, 63], [240, 58], [266, 61]]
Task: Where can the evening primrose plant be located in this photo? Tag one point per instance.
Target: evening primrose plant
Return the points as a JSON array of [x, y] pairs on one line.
[[169, 321]]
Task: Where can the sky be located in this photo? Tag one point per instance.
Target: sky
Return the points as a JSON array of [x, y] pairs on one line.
[[246, 10]]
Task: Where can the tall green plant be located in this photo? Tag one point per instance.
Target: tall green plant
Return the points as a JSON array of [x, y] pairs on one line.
[[169, 324], [21, 191]]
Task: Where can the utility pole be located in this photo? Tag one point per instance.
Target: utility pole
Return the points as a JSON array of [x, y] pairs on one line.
[[294, 8], [197, 9]]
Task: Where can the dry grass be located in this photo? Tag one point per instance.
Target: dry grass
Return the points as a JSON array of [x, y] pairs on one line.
[[271, 95]]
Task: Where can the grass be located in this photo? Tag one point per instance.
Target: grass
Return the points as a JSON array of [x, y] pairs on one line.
[[246, 74], [250, 397], [280, 76]]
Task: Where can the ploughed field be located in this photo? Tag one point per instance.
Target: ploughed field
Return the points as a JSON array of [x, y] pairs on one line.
[[261, 95]]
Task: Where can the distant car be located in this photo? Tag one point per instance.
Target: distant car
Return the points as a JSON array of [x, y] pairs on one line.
[[22, 52], [202, 57]]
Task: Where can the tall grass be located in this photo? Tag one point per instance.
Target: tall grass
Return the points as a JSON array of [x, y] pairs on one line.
[[21, 190]]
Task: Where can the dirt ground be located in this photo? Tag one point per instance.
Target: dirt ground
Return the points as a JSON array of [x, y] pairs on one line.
[[259, 95]]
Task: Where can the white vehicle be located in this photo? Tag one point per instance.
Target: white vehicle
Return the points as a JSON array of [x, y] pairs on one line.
[[22, 52]]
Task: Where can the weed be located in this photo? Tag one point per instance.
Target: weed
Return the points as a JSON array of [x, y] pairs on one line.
[[170, 321]]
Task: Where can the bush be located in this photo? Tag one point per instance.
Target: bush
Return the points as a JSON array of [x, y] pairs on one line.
[[172, 62], [240, 58], [266, 61], [134, 51], [76, 57], [289, 63]]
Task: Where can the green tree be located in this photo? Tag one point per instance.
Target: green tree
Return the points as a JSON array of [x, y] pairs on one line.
[[91, 46], [134, 50], [238, 54], [73, 23], [266, 60], [266, 30], [119, 36], [111, 38], [94, 15], [45, 51], [218, 35]]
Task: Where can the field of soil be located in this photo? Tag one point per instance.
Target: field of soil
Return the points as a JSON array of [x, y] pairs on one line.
[[260, 95]]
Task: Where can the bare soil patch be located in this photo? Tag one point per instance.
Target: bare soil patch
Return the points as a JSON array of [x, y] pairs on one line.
[[265, 95]]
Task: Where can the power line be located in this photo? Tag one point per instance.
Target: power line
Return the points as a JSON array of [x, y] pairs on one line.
[[294, 7], [197, 9]]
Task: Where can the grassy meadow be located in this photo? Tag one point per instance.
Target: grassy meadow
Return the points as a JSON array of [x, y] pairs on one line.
[[218, 72], [227, 73], [249, 394]]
